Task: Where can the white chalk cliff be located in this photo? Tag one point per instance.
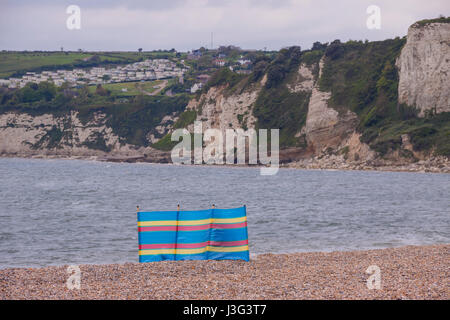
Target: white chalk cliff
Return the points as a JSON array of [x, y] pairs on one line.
[[424, 78], [424, 68]]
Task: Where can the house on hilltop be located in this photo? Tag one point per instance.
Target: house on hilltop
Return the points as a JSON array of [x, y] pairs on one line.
[[219, 62]]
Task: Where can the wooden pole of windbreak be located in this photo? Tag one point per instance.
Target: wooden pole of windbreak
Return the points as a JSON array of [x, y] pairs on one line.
[[176, 232], [139, 234], [210, 227], [246, 229]]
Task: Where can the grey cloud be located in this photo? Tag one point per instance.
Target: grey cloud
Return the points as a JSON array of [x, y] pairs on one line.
[[187, 24]]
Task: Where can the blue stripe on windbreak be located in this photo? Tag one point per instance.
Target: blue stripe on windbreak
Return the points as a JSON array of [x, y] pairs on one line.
[[229, 234], [192, 236], [240, 255], [152, 237], [192, 215], [157, 237], [229, 213], [211, 234], [156, 257], [170, 236], [157, 216], [243, 255]]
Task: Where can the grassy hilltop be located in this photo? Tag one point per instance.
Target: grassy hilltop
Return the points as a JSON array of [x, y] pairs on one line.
[[17, 63], [361, 77]]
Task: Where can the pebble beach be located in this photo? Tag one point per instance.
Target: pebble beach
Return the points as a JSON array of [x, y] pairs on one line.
[[412, 272]]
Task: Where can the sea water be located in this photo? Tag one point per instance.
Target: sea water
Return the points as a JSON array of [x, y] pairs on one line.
[[60, 212]]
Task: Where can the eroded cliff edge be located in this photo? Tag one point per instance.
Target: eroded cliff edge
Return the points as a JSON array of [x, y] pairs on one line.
[[424, 68], [354, 105]]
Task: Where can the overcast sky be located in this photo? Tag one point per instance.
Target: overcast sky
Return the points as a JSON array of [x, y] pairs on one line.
[[187, 24]]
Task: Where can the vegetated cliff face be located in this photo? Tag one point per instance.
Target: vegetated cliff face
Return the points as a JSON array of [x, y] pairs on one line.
[[325, 127], [219, 110], [363, 115], [343, 101], [324, 130], [424, 68], [65, 135]]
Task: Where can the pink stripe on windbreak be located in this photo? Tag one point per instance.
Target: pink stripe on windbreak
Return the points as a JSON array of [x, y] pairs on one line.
[[228, 243], [229, 226], [193, 228], [172, 245], [193, 245], [157, 229], [157, 246]]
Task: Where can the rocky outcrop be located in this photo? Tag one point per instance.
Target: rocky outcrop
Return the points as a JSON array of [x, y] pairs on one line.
[[325, 127], [341, 162], [328, 136], [163, 128], [424, 68], [217, 109], [304, 80], [48, 135]]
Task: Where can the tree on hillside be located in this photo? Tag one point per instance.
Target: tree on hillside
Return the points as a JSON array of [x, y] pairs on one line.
[[46, 90], [101, 91], [259, 69], [319, 46], [334, 50], [95, 58]]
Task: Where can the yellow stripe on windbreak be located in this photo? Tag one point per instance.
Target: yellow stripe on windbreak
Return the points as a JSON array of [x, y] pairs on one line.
[[193, 251], [190, 222], [228, 249]]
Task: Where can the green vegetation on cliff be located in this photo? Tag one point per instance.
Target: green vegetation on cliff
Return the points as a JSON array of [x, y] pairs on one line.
[[132, 118], [436, 20], [186, 118], [277, 106], [362, 77], [132, 122]]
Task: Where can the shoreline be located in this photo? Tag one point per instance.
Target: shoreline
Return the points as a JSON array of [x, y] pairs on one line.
[[424, 166], [410, 272]]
